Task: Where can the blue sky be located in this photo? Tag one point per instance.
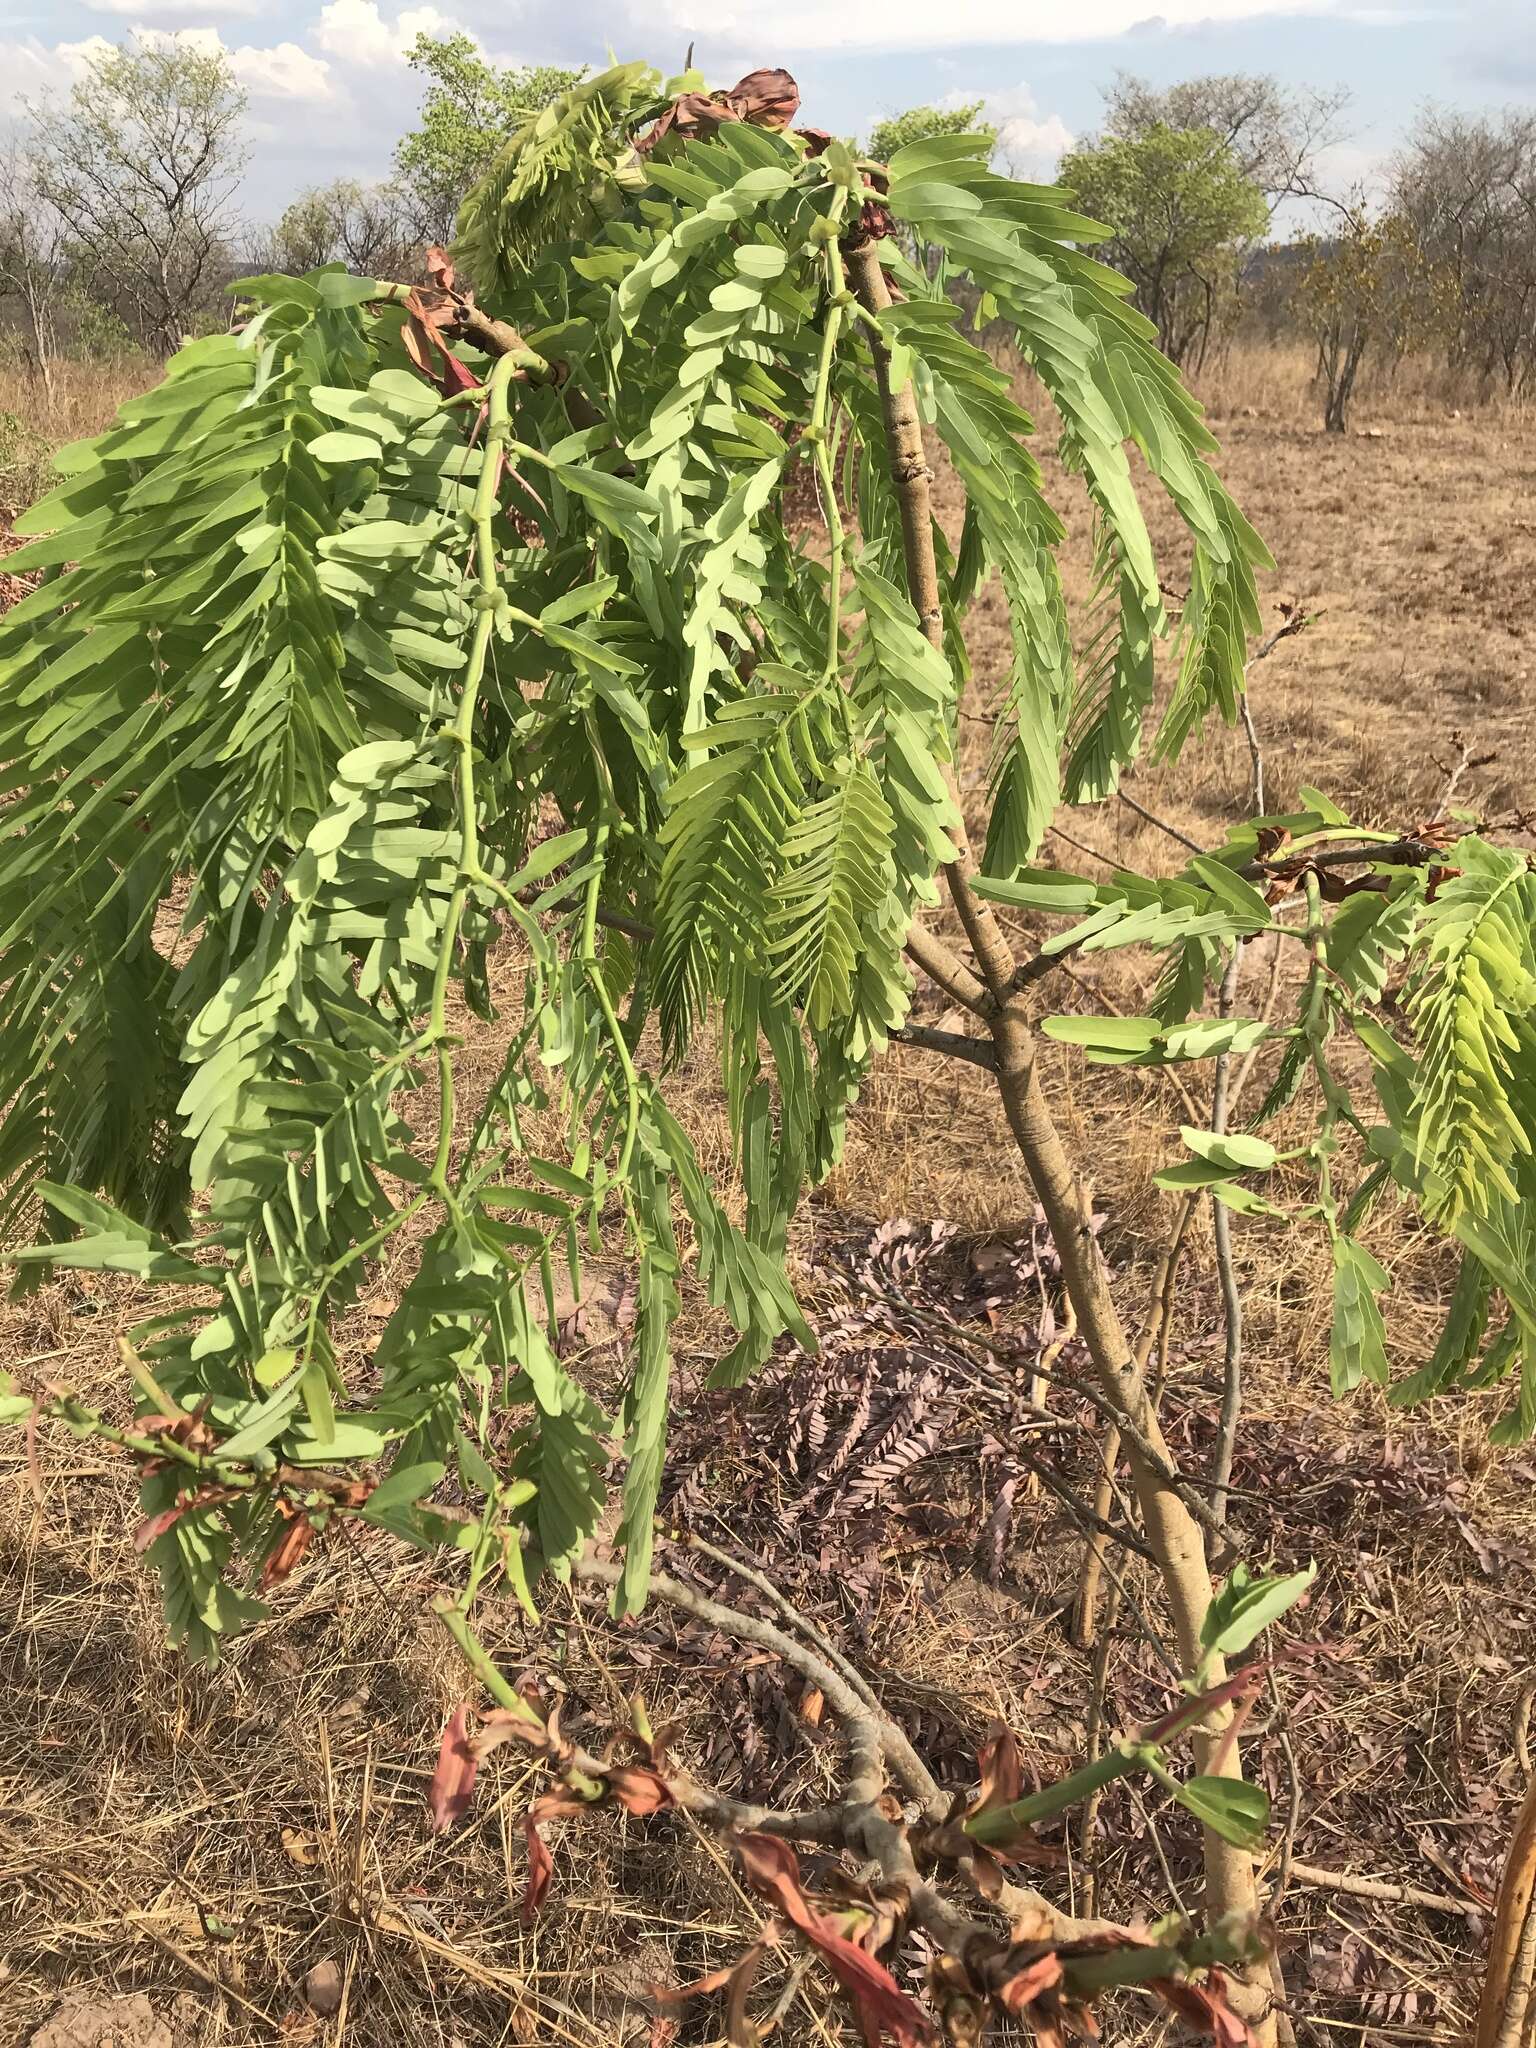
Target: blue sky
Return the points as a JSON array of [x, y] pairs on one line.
[[330, 91]]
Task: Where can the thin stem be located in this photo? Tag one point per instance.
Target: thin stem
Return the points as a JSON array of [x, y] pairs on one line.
[[817, 433], [1231, 1293]]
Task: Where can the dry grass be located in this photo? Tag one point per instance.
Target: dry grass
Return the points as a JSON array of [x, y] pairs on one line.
[[34, 421], [209, 1838]]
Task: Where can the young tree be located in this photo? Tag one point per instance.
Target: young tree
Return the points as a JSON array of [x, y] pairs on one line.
[[531, 663], [1367, 286], [467, 112], [367, 229], [1182, 214], [32, 259], [140, 164]]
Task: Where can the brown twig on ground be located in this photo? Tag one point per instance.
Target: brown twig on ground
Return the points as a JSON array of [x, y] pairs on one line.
[[1385, 1889], [1465, 761], [913, 1772]]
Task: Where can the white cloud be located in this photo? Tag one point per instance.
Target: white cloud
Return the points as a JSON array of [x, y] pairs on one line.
[[911, 24], [282, 72], [356, 32], [279, 71], [1029, 145], [1031, 148], [30, 68]]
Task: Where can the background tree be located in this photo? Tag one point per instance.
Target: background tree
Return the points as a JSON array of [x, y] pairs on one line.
[[368, 228], [1466, 187], [923, 124], [1182, 214], [31, 259], [1367, 286], [469, 108], [919, 124], [1275, 135], [141, 164]]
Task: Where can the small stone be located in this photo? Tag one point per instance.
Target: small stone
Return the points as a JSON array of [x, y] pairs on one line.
[[322, 1988]]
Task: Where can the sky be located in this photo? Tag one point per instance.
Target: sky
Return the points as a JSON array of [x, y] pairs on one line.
[[330, 91]]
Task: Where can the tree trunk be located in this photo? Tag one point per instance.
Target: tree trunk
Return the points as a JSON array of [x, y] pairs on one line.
[[1172, 1532], [1505, 2010]]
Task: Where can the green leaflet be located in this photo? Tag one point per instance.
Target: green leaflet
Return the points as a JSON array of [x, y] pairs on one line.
[[835, 874], [1472, 995], [1357, 1346], [1465, 1323], [645, 1405]]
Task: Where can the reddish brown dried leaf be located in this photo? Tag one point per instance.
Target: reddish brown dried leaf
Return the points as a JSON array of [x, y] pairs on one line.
[[881, 2007], [297, 1534], [552, 1805], [1000, 1770], [736, 1979], [427, 346], [765, 99], [541, 1868], [504, 1725], [1205, 2006], [153, 1527], [739, 2029], [453, 1781], [638, 1790], [1020, 1991]]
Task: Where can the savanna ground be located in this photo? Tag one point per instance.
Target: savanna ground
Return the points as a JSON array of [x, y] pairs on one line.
[[193, 1847]]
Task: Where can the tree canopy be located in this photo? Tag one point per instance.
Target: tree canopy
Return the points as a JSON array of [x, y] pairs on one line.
[[921, 124], [470, 106], [1181, 211], [140, 163]]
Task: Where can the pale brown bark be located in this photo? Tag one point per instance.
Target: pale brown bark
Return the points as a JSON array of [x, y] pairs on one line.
[[1505, 2004]]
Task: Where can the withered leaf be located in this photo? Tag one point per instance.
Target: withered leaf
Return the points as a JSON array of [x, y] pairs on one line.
[[454, 1779], [880, 2005]]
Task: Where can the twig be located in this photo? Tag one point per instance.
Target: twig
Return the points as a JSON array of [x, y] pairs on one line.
[[1255, 754], [1082, 846], [977, 1051], [913, 1772], [1162, 824], [1453, 775], [1231, 1294], [1221, 1104], [1406, 851], [1383, 1889], [1095, 1743], [1285, 1861]]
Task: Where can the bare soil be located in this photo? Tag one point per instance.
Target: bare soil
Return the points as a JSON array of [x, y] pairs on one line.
[[198, 1847]]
